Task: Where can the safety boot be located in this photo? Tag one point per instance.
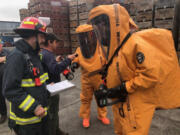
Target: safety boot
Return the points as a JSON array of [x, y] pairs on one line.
[[104, 120], [86, 123]]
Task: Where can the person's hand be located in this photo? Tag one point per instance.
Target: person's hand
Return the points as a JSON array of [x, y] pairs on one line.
[[2, 59], [59, 58], [40, 111], [72, 56]]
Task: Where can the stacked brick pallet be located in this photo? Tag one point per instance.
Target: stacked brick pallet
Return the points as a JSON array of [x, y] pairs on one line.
[[164, 13], [23, 13], [144, 13], [79, 10], [58, 12]]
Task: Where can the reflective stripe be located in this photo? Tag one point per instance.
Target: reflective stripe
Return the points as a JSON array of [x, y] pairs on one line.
[[28, 22], [25, 121], [44, 77], [41, 56], [31, 83], [27, 103]]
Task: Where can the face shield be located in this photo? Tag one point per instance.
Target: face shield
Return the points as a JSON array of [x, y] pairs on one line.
[[101, 26], [88, 43]]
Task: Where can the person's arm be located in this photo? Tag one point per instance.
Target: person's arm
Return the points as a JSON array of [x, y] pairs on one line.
[[53, 66], [147, 69], [12, 78]]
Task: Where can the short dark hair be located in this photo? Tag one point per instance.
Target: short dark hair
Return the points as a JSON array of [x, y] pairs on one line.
[[51, 37]]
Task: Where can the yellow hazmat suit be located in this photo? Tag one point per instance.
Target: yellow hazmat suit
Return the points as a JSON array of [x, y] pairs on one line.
[[89, 83], [147, 63]]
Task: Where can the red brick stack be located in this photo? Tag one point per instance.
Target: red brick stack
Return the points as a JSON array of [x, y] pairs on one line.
[[57, 10]]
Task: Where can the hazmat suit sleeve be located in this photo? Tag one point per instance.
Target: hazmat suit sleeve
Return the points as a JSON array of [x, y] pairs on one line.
[[147, 69]]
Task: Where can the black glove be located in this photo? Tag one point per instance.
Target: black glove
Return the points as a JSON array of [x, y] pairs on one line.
[[119, 92], [101, 96], [74, 66]]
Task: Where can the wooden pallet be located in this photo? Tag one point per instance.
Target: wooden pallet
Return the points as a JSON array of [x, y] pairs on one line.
[[167, 24], [73, 24], [83, 16], [164, 3], [164, 13], [75, 44], [144, 25], [73, 30], [73, 17], [144, 5], [74, 38], [144, 16], [81, 22]]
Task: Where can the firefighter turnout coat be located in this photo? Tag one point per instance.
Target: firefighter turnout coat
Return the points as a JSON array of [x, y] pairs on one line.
[[19, 86]]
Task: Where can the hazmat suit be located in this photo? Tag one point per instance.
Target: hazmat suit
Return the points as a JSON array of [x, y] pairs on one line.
[[90, 60], [145, 69]]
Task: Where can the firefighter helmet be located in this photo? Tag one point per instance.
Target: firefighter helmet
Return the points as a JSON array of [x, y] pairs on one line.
[[30, 26]]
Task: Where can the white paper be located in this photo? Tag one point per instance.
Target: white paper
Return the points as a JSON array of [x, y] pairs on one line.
[[56, 88]]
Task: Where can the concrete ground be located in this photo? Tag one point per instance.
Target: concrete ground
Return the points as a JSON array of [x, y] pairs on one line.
[[165, 122]]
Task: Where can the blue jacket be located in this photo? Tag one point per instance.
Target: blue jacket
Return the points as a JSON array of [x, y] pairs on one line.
[[51, 66]]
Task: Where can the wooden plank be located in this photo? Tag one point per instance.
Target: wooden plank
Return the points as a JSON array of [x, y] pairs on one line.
[[144, 16], [81, 22], [73, 3], [83, 15], [73, 10], [74, 37], [167, 24], [144, 5], [75, 44], [129, 1], [144, 25], [73, 24], [73, 30], [164, 13], [82, 8], [73, 17], [80, 2], [164, 3]]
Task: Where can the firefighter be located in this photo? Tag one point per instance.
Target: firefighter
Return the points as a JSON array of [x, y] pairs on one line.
[[24, 81], [142, 72], [90, 60], [54, 70]]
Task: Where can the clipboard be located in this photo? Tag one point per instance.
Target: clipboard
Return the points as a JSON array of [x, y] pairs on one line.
[[59, 87]]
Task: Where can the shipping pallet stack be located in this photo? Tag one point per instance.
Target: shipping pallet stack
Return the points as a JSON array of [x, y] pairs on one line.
[[164, 13], [57, 10], [23, 13], [144, 13], [78, 15]]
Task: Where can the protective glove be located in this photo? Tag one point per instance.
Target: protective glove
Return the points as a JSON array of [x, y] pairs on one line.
[[119, 92], [74, 66], [101, 96]]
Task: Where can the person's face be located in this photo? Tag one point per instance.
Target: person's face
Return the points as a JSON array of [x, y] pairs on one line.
[[55, 45], [41, 39]]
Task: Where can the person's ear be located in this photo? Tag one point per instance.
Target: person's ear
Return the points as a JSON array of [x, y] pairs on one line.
[[49, 42]]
